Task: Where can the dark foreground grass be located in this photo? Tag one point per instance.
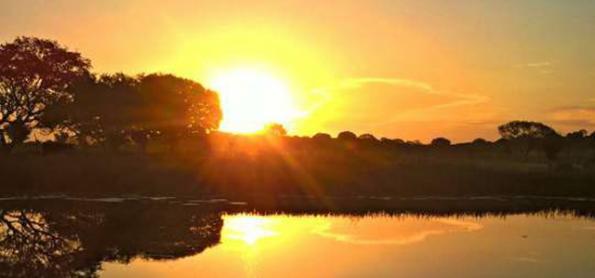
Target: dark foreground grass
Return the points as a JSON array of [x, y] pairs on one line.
[[241, 176]]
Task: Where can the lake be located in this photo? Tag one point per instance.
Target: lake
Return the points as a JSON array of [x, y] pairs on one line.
[[157, 239]]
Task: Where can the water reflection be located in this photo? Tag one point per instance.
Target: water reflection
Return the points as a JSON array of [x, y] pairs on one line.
[[249, 229], [409, 230], [60, 242], [30, 246], [374, 229], [157, 239], [543, 245]]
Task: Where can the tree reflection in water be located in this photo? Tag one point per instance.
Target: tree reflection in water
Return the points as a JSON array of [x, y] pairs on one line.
[[65, 238], [59, 241]]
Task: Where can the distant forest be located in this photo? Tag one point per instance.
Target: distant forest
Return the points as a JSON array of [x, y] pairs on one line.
[[69, 125]]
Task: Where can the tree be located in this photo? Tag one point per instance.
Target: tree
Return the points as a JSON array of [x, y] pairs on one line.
[[34, 75], [275, 129], [178, 106], [116, 108], [524, 129], [440, 142], [367, 137], [479, 142], [525, 134], [347, 136], [552, 145], [399, 141], [102, 108], [322, 137], [577, 135]]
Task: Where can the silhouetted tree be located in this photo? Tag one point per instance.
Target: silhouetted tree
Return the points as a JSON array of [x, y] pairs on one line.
[[275, 129], [117, 108], [440, 142], [479, 142], [34, 75], [347, 136], [525, 129], [414, 143], [174, 105], [399, 141], [103, 108], [386, 141], [552, 145], [18, 131], [322, 137], [367, 137], [525, 134], [577, 135]]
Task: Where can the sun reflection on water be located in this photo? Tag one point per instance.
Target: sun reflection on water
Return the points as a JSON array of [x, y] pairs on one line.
[[370, 246], [249, 229]]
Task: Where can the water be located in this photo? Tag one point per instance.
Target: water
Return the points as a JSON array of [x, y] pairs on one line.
[[164, 240], [384, 246]]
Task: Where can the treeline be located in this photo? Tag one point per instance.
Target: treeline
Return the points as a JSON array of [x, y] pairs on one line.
[[156, 134], [47, 93]]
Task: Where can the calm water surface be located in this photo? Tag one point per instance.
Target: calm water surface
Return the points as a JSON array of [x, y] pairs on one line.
[[538, 245]]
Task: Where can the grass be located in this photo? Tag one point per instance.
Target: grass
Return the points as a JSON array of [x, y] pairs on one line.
[[291, 169]]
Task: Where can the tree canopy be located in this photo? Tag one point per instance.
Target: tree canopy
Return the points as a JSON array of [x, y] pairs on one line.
[[577, 135], [34, 74], [368, 137], [347, 136], [525, 129], [116, 107], [322, 137], [275, 129], [440, 142]]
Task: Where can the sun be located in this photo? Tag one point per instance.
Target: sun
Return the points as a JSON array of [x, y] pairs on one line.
[[251, 99]]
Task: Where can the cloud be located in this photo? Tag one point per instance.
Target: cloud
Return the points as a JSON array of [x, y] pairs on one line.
[[539, 64], [458, 99], [360, 82], [406, 108], [575, 116], [424, 99], [543, 67], [522, 259]]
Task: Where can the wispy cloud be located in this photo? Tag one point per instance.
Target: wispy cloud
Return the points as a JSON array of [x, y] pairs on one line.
[[449, 99], [457, 99], [538, 65], [399, 105], [576, 116], [522, 259], [362, 81], [543, 67], [541, 64]]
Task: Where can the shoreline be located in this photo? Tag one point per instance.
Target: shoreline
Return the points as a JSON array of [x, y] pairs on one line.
[[428, 205]]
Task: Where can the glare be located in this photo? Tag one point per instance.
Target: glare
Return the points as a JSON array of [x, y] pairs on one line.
[[251, 99], [248, 229]]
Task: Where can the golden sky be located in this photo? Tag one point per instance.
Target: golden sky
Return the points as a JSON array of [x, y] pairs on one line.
[[403, 69]]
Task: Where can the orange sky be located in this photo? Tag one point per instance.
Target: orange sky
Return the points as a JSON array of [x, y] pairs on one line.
[[406, 69]]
